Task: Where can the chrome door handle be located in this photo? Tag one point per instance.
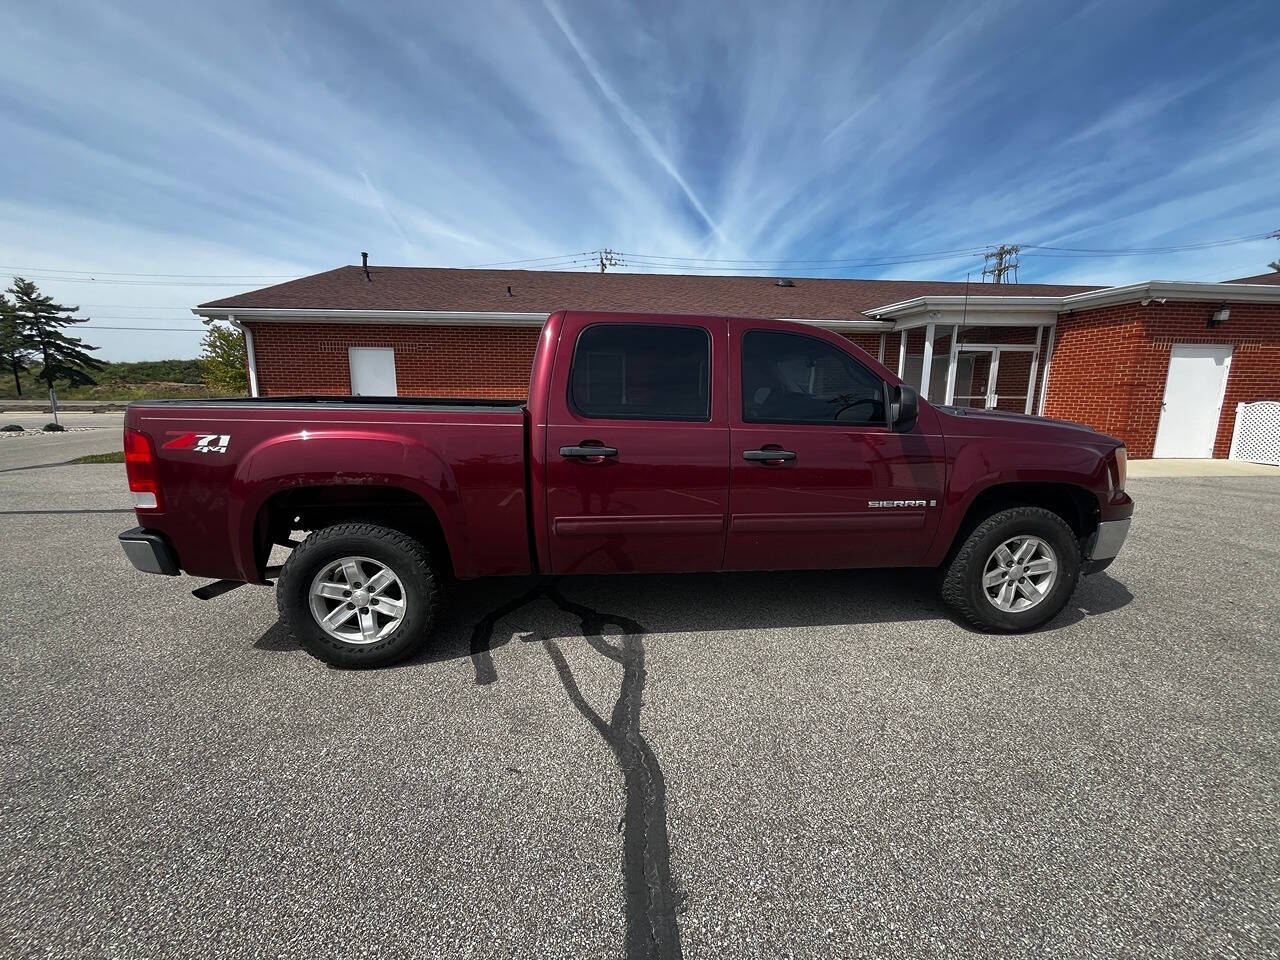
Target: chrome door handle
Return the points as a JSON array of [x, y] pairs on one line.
[[592, 453], [768, 456]]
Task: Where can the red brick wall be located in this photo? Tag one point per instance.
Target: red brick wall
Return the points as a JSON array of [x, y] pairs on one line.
[[455, 361], [869, 342], [1109, 365]]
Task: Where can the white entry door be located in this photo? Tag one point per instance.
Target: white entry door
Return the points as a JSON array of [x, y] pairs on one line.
[[373, 371], [1192, 404]]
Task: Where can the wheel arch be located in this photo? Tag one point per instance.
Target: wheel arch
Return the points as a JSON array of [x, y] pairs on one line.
[[1075, 504], [317, 506]]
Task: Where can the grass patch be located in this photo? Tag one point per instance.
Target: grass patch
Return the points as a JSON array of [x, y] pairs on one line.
[[115, 456]]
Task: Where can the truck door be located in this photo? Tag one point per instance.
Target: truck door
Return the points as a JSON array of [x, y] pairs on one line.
[[818, 479], [637, 461]]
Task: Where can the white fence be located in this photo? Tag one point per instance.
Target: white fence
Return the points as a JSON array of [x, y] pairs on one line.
[[1257, 434]]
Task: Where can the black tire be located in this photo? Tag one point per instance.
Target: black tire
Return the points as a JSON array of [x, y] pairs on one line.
[[962, 576], [403, 555]]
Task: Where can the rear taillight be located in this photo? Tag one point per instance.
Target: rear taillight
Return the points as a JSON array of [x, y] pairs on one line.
[[1122, 467], [140, 467]]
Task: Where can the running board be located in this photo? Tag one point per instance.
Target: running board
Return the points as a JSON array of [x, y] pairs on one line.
[[218, 587]]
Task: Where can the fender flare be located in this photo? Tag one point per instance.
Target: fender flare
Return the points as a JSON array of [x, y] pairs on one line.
[[323, 458]]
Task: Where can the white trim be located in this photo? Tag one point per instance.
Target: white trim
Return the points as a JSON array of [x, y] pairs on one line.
[[953, 360], [249, 355], [881, 357], [871, 326], [1044, 378], [1008, 347], [916, 307], [1175, 290], [914, 312], [926, 361], [475, 318], [1035, 362], [902, 355], [478, 318]]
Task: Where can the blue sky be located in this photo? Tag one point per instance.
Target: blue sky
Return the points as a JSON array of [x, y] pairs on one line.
[[254, 141]]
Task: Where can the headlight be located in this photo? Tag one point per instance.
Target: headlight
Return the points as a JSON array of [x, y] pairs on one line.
[[1122, 467]]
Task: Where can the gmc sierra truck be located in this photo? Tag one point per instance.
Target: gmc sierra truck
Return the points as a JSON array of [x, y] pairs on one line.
[[648, 444]]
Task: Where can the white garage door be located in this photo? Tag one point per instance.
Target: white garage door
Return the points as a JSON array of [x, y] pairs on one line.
[[1193, 396], [373, 371]]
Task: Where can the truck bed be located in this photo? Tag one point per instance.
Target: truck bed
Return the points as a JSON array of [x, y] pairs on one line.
[[338, 402], [224, 464]]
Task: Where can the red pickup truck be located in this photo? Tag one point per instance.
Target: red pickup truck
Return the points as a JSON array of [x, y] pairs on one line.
[[648, 444]]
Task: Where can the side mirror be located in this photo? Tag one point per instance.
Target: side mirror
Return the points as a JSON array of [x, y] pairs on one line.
[[904, 408]]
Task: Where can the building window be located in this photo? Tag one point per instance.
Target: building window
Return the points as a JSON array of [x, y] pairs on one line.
[[914, 367], [373, 371]]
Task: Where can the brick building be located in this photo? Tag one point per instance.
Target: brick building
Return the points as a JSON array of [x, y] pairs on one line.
[[1160, 364]]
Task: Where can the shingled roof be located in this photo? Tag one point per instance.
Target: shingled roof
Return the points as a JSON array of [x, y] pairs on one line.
[[534, 291], [1272, 277]]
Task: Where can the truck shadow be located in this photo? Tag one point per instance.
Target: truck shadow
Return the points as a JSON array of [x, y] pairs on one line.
[[690, 603]]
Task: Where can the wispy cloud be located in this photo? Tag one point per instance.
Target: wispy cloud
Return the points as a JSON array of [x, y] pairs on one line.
[[149, 137]]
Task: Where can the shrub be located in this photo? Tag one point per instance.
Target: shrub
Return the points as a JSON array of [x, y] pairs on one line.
[[12, 428], [54, 428]]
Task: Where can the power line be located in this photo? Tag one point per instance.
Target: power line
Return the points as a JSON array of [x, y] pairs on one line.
[[103, 326], [505, 263], [810, 268], [180, 276], [134, 306], [852, 261], [118, 316], [140, 283], [1148, 251]]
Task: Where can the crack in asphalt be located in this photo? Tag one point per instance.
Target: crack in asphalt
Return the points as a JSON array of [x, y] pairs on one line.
[[652, 897]]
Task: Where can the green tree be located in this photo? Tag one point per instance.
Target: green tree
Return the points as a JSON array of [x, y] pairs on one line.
[[222, 361], [41, 322], [15, 348]]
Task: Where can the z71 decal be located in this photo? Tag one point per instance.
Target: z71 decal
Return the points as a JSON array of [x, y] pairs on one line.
[[199, 442]]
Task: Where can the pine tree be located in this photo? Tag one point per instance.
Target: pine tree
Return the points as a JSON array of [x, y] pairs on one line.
[[223, 360], [41, 322], [15, 348]]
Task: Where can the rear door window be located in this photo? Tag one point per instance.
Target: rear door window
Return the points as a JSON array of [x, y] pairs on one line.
[[634, 371]]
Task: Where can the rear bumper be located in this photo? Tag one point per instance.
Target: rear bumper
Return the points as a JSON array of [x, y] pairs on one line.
[[1104, 546], [149, 552]]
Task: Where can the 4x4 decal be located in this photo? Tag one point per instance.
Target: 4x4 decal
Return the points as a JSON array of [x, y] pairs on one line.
[[199, 442]]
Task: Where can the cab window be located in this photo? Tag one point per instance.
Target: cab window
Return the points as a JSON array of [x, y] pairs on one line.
[[634, 371], [792, 378]]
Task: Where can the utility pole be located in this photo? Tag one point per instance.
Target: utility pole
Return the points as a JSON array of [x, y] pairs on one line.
[[1003, 260], [608, 258]]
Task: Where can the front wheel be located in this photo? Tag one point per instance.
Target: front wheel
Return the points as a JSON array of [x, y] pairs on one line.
[[358, 595], [1015, 571]]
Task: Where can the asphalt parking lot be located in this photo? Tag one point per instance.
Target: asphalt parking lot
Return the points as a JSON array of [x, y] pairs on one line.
[[773, 765]]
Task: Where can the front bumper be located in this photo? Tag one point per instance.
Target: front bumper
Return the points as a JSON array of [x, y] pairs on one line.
[[1104, 545], [150, 552]]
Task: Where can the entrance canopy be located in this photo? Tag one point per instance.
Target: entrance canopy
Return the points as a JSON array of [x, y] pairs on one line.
[[983, 351]]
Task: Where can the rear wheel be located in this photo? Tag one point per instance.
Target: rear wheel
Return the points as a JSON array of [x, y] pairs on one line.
[[359, 595], [1015, 571]]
